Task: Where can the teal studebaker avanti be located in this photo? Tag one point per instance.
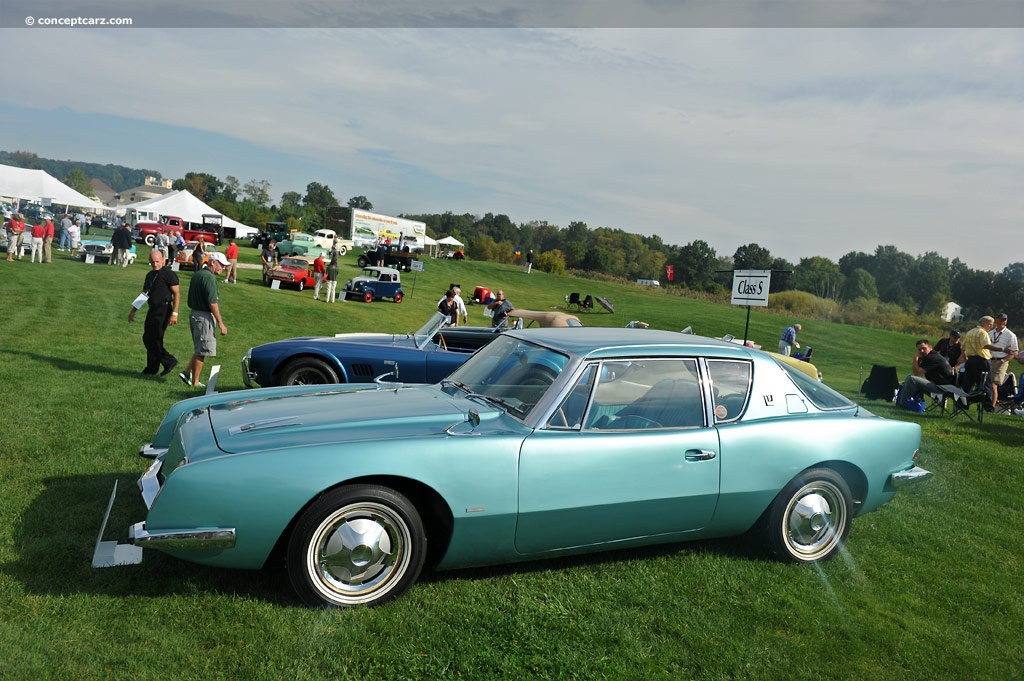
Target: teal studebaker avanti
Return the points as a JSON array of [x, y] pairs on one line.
[[545, 442]]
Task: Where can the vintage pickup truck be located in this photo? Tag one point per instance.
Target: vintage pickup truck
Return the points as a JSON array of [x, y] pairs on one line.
[[211, 230]]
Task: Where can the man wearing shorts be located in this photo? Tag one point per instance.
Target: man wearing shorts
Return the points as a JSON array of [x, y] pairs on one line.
[[205, 319]]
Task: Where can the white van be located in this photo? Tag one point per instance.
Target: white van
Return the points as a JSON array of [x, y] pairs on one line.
[[649, 282]]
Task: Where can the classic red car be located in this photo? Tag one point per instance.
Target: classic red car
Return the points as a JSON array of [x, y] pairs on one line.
[[294, 270]]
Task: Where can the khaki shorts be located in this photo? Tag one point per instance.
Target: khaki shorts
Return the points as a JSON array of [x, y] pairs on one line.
[[997, 371], [204, 333]]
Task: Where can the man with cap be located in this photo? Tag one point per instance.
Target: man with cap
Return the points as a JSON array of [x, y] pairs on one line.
[[205, 318], [951, 349], [1001, 337]]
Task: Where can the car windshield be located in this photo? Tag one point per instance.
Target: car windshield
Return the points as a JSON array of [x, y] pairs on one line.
[[293, 262], [425, 334], [820, 395], [511, 373]]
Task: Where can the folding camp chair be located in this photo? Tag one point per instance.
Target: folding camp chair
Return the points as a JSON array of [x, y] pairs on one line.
[[573, 301], [881, 383], [588, 303], [962, 400]]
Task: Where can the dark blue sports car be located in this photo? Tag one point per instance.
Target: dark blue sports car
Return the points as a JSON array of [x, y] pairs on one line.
[[426, 356]]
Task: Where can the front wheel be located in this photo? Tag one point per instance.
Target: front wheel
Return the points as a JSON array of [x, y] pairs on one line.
[[356, 545], [150, 239], [368, 297], [308, 371], [342, 250], [362, 261], [398, 297], [810, 518]]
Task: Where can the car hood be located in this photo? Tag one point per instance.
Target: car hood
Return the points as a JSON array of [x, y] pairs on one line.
[[258, 424], [344, 339]]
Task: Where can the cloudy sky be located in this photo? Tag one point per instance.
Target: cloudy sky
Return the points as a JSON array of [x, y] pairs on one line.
[[808, 141]]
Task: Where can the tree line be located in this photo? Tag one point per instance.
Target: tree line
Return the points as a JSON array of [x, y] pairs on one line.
[[886, 280]]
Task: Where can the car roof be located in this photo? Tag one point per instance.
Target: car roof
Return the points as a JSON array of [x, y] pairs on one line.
[[611, 342], [383, 270]]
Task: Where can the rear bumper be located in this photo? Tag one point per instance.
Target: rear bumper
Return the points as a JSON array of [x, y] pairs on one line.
[[909, 477]]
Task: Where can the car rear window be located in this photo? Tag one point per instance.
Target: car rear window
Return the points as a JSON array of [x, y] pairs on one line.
[[820, 395]]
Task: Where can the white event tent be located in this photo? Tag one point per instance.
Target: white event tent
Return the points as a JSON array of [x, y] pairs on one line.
[[190, 209], [39, 186]]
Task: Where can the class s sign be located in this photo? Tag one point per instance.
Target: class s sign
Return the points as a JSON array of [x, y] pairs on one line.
[[750, 287]]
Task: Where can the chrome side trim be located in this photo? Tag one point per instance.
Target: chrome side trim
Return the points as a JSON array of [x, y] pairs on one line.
[[187, 539], [904, 478]]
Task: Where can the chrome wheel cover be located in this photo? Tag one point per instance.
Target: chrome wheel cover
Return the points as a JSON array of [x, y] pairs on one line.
[[359, 553], [815, 518]]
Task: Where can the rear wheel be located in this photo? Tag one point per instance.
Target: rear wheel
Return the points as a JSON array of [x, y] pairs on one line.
[[308, 371], [356, 545], [368, 297], [810, 518], [362, 261], [342, 250], [150, 239]]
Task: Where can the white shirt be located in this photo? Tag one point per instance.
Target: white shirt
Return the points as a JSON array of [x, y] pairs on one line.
[[1003, 338]]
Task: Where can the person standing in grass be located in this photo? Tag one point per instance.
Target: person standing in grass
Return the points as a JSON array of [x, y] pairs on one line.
[[205, 318], [788, 340], [163, 298], [978, 349], [38, 234], [231, 276], [332, 279], [319, 269]]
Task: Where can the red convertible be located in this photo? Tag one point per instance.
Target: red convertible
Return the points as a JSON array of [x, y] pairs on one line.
[[295, 271]]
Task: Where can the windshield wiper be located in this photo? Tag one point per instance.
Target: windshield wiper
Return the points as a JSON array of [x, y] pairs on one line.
[[504, 404]]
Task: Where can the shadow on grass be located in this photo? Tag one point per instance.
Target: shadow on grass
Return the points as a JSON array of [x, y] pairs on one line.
[[65, 364], [54, 539]]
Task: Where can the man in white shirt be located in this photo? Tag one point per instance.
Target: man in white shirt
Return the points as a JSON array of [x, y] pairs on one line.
[[1007, 341]]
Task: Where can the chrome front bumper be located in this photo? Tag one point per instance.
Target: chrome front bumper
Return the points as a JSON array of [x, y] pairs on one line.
[[247, 376], [186, 539], [911, 477]]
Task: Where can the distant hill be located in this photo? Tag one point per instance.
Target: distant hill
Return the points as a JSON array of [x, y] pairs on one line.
[[116, 177]]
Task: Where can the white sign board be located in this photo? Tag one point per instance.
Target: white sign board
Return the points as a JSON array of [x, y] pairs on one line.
[[416, 266], [750, 287]]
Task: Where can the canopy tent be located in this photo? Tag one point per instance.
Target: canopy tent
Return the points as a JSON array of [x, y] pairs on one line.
[[430, 245], [41, 187], [190, 209], [450, 241]]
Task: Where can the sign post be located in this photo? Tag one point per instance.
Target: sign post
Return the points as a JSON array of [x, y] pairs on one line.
[[750, 288]]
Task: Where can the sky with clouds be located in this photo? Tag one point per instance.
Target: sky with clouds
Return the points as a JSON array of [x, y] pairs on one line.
[[809, 141]]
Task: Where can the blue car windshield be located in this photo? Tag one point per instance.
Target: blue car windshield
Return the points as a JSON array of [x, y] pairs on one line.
[[426, 333], [510, 372]]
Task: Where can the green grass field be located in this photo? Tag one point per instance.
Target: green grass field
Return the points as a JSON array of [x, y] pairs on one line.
[[930, 586]]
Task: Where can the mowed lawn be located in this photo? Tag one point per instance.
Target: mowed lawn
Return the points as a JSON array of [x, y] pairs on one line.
[[929, 586]]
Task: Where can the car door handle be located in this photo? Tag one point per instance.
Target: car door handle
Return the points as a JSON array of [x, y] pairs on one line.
[[700, 455]]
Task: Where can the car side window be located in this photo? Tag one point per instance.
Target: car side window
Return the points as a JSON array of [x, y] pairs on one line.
[[730, 382], [646, 394], [569, 414]]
